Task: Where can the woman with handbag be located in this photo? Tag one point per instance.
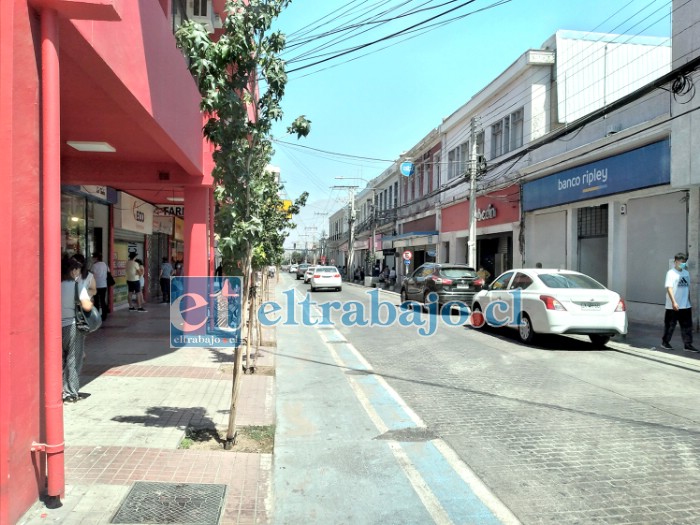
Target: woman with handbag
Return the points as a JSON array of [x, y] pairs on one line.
[[73, 339]]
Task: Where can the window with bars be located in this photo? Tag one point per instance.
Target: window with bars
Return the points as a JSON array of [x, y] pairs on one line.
[[593, 221]]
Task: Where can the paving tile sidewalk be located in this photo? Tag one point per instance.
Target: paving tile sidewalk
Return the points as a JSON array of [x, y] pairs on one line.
[[143, 395]]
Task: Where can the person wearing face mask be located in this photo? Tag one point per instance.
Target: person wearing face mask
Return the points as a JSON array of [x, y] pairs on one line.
[[678, 307]]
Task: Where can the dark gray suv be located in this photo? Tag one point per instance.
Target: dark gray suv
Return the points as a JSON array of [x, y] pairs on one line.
[[301, 270], [451, 282]]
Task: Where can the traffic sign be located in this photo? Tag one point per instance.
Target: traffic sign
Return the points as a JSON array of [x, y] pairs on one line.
[[407, 256], [407, 262], [406, 169]]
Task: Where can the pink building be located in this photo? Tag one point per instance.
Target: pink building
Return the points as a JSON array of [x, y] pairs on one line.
[[93, 93]]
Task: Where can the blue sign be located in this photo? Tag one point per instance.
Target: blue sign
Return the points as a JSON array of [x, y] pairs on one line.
[[407, 169], [407, 262], [640, 168], [205, 312]]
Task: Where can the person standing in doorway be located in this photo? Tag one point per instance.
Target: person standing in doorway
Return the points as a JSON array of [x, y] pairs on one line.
[[166, 271], [678, 306]]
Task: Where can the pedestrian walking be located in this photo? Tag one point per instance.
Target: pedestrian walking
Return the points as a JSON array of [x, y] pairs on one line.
[[678, 305], [142, 284], [99, 271], [133, 283], [73, 340]]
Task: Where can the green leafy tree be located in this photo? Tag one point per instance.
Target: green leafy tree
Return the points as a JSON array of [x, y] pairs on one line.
[[242, 81]]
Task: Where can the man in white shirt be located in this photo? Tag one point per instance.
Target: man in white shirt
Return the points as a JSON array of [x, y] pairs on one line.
[[99, 270], [678, 306], [133, 283]]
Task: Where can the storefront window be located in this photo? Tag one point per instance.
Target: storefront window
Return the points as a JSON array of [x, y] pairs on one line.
[[73, 225]]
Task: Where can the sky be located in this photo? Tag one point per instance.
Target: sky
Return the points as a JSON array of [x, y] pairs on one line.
[[381, 100]]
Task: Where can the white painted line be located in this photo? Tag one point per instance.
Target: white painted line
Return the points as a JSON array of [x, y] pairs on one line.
[[429, 500], [477, 486]]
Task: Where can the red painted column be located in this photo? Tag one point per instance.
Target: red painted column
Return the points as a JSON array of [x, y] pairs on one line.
[[196, 224], [212, 240], [51, 250]]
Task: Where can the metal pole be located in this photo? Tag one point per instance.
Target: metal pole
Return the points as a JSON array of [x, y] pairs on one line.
[[351, 221], [472, 197]]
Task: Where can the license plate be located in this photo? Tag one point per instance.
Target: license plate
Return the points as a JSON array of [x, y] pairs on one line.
[[463, 286], [590, 306]]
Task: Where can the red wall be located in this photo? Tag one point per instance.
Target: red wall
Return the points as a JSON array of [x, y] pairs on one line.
[[426, 224], [506, 202], [20, 285]]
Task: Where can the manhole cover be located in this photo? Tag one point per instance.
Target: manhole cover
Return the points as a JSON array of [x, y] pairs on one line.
[[174, 503]]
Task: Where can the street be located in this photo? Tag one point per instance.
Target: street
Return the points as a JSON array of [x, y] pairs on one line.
[[558, 432]]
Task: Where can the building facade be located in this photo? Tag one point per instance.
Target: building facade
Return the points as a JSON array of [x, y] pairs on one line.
[[95, 96]]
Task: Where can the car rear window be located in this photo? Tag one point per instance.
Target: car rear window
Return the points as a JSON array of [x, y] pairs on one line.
[[326, 269], [456, 273], [569, 280]]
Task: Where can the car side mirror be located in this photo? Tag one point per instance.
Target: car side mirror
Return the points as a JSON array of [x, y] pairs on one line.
[[486, 286]]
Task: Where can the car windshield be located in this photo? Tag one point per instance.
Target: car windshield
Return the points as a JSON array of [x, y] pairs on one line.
[[456, 273], [569, 280]]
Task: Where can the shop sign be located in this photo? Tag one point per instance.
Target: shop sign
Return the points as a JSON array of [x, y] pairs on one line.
[[133, 214], [389, 251], [179, 233], [488, 213], [640, 168], [170, 210], [162, 224]]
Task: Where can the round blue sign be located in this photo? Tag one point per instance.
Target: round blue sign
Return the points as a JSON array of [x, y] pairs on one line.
[[407, 168]]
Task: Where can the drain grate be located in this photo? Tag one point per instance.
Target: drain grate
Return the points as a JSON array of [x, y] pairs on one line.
[[173, 503]]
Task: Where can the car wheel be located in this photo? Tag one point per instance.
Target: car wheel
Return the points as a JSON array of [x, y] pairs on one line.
[[525, 331], [599, 341], [313, 289], [340, 288]]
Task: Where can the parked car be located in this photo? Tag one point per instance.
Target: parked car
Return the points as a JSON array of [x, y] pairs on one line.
[[308, 273], [554, 302], [326, 277], [451, 282], [301, 270], [293, 268]]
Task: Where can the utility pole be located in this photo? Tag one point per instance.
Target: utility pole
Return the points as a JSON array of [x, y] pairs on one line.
[[351, 225], [472, 170]]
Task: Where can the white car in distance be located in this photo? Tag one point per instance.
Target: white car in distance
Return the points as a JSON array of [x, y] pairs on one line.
[[326, 277], [548, 301]]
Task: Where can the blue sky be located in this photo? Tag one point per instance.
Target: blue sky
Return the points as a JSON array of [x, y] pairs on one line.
[[383, 103]]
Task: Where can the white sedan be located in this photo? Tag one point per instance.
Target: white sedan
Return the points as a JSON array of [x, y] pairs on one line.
[[326, 277], [542, 301]]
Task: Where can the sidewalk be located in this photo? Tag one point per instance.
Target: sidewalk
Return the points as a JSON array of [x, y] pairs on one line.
[[143, 396]]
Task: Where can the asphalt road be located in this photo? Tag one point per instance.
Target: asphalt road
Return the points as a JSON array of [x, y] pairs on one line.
[[560, 432]]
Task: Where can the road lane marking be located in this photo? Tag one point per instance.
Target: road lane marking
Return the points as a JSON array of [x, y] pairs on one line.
[[372, 392]]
